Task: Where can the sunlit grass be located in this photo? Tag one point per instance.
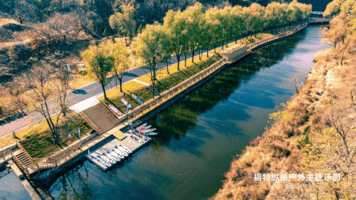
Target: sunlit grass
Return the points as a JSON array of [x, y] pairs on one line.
[[164, 82], [37, 138]]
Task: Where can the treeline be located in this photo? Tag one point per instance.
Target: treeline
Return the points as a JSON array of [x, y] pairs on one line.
[[195, 29], [190, 31], [95, 13]]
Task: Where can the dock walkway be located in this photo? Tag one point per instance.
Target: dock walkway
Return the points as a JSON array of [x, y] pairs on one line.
[[127, 142]]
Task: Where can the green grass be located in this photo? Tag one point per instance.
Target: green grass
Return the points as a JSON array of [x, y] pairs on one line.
[[39, 143], [164, 83]]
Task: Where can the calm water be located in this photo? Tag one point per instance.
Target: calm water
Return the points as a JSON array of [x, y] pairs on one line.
[[201, 134], [12, 189]]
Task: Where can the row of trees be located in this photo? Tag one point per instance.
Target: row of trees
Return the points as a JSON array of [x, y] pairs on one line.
[[195, 29], [182, 32]]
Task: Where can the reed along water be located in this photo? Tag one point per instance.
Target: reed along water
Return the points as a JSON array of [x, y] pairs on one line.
[[202, 133]]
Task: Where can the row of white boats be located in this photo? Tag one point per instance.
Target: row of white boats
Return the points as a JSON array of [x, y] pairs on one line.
[[110, 157]]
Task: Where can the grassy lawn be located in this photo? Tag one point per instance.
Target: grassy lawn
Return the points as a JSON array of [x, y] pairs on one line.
[[37, 139]]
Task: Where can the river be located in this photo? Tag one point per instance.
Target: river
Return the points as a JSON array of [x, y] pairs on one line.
[[200, 135]]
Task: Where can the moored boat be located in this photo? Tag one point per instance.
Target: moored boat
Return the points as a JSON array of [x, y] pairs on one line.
[[147, 127], [98, 158], [122, 150], [141, 126], [110, 157], [152, 133], [148, 130], [128, 150]]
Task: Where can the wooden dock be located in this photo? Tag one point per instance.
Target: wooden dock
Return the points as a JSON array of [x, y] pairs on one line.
[[127, 142]]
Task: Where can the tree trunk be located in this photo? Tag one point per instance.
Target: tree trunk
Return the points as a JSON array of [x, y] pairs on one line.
[[103, 86], [193, 53], [178, 60], [343, 51], [167, 68], [185, 59], [207, 51], [120, 84]]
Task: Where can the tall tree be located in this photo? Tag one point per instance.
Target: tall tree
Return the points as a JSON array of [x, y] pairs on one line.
[[38, 81], [121, 57], [194, 16], [255, 21], [337, 30], [333, 8], [124, 21], [149, 47], [100, 62], [213, 22], [174, 24]]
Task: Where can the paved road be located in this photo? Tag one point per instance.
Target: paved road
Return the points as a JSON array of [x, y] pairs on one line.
[[75, 97]]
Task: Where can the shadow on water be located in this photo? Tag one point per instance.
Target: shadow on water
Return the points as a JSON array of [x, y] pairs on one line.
[[77, 183], [175, 121]]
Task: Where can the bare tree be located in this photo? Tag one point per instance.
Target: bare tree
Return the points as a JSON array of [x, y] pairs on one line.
[[339, 117], [61, 89], [39, 82], [295, 82], [24, 11]]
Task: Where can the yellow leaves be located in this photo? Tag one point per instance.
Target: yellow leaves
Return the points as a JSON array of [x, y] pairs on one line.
[[280, 115]]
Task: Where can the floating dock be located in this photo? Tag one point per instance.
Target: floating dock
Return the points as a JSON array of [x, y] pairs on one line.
[[129, 142]]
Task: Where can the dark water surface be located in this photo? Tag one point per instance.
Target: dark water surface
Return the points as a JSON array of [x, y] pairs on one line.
[[201, 134], [11, 188]]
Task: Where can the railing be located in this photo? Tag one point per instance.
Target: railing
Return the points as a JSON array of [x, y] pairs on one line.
[[18, 163], [62, 156], [4, 172], [5, 153], [154, 103], [266, 40], [86, 119]]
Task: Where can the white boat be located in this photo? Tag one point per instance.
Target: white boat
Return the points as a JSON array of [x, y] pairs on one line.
[[98, 158], [152, 133], [122, 154], [124, 151], [136, 138], [128, 150], [110, 157], [118, 157], [141, 126], [147, 127], [148, 130], [106, 159], [119, 153]]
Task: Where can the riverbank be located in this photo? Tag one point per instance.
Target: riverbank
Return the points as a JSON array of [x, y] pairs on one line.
[[304, 138], [201, 133]]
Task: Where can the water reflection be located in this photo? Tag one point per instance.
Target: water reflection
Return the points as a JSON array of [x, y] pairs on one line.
[[175, 121]]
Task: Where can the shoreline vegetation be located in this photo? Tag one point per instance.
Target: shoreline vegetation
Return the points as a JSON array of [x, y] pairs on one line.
[[313, 135]]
